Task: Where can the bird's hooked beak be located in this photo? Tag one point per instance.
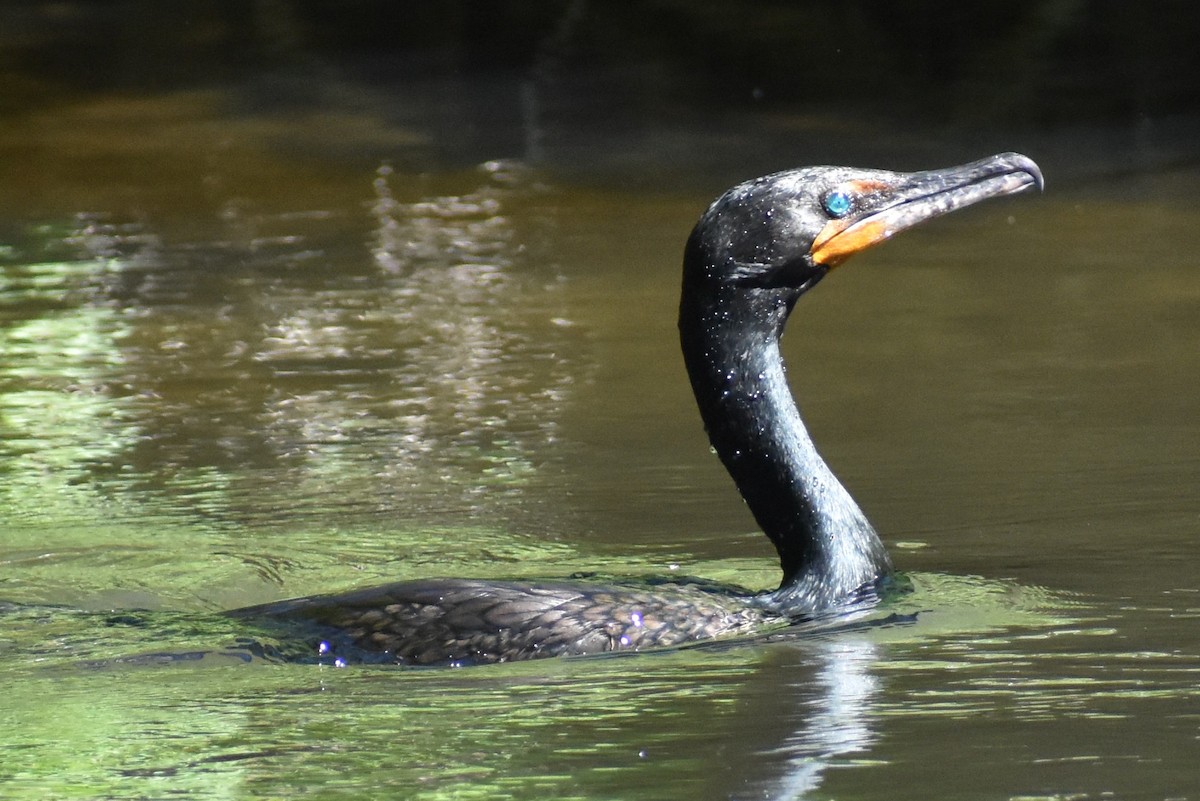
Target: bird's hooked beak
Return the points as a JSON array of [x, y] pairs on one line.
[[883, 207]]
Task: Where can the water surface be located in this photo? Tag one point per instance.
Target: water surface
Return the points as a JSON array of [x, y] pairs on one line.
[[241, 363]]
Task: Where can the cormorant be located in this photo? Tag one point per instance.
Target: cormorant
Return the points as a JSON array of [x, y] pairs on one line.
[[753, 253]]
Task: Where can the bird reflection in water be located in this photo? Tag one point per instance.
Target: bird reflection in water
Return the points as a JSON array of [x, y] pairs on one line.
[[834, 718]]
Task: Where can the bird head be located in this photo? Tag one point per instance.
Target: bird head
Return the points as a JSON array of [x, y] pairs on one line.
[[789, 229]]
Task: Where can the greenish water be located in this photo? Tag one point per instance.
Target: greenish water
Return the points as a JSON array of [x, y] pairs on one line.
[[237, 367], [95, 717]]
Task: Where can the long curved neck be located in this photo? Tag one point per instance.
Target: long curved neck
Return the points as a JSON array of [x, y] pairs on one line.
[[827, 549]]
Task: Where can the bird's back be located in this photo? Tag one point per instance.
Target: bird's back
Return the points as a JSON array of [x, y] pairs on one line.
[[446, 621]]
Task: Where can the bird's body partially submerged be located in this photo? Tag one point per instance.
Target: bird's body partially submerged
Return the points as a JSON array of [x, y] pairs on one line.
[[469, 621], [753, 253]]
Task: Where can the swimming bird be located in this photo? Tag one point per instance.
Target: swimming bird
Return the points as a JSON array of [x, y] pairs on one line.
[[750, 257]]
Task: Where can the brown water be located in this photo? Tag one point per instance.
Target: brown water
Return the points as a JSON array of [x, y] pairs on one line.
[[248, 357]]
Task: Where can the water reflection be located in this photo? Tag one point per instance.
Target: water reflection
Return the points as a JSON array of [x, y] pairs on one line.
[[274, 347], [404, 356], [62, 404], [432, 371], [833, 719]]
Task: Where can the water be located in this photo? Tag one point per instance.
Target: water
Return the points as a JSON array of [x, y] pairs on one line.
[[241, 363]]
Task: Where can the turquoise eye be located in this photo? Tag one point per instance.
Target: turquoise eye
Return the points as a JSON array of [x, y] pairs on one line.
[[838, 204]]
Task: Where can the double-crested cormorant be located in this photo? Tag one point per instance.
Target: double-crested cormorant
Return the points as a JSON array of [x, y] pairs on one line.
[[752, 254]]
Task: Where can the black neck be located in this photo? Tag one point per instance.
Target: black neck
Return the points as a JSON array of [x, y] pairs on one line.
[[827, 549]]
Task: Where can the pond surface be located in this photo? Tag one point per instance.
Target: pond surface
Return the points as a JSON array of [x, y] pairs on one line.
[[248, 356]]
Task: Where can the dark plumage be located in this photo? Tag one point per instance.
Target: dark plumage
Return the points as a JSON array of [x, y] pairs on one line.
[[472, 621], [752, 254]]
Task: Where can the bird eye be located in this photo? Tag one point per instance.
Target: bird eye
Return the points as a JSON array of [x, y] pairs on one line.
[[837, 203]]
